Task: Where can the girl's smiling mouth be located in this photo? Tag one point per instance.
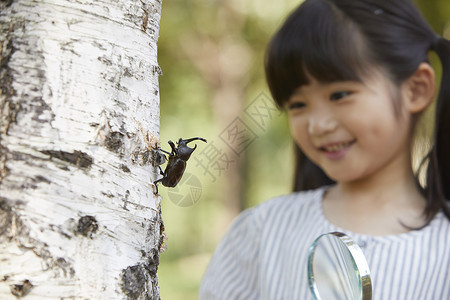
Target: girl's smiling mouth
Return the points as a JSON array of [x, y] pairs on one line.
[[336, 150]]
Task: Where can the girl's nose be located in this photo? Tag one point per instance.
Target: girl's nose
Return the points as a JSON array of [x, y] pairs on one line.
[[321, 123]]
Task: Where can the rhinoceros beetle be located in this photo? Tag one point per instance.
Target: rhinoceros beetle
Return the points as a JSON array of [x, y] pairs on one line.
[[177, 162]]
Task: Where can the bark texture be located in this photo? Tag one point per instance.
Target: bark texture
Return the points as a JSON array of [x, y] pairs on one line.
[[79, 113]]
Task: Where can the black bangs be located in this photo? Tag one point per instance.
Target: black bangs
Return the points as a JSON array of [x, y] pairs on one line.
[[316, 40]]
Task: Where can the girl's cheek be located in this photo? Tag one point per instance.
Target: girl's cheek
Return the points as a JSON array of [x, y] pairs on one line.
[[294, 129], [291, 124], [299, 135], [297, 126]]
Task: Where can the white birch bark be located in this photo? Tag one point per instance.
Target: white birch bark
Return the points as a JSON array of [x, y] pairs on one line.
[[78, 103]]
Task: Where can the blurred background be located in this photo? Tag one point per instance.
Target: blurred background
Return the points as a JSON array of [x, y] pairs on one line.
[[211, 53]]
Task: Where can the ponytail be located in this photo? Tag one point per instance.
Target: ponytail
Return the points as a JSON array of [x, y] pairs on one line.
[[438, 173]]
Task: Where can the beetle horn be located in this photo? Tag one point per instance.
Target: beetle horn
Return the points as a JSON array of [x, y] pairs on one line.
[[194, 139]]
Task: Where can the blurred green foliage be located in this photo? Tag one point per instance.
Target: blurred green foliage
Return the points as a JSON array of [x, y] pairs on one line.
[[211, 53]]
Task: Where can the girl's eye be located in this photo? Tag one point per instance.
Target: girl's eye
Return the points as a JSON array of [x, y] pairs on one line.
[[296, 105], [339, 95]]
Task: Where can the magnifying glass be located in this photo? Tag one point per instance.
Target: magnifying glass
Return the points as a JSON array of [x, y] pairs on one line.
[[337, 269]]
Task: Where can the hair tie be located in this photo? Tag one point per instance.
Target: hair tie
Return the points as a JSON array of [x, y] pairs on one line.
[[435, 43]]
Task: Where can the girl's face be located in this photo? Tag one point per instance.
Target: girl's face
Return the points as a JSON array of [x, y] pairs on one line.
[[350, 129]]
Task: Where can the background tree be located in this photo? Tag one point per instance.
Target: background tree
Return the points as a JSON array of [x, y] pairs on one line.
[[79, 112]]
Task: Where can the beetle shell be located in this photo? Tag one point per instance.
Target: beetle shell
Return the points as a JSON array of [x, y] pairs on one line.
[[177, 167]]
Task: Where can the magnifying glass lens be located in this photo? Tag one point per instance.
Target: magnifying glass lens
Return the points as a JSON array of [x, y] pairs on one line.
[[337, 269]]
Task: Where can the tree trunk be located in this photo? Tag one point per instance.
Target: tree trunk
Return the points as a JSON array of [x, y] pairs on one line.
[[79, 114]]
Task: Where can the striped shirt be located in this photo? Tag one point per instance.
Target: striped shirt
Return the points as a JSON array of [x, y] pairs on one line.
[[264, 255]]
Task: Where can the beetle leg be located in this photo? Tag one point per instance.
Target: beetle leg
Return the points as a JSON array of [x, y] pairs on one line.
[[167, 152], [155, 183], [160, 171], [174, 149]]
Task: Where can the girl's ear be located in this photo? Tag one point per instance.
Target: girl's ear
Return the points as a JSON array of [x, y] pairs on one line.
[[420, 88]]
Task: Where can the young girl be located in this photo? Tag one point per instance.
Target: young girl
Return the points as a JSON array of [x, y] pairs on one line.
[[354, 77]]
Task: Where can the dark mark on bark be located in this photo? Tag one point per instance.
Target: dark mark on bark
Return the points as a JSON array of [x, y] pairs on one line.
[[40, 178], [4, 4], [162, 237], [141, 156], [87, 226], [22, 289], [152, 262], [127, 73], [4, 278], [5, 217], [104, 60], [8, 109], [114, 141], [125, 200], [108, 194], [157, 70], [77, 158], [152, 267], [137, 280], [98, 45], [32, 182], [9, 219], [145, 156], [145, 21], [60, 230], [65, 266], [40, 108], [134, 281], [125, 168], [64, 168], [3, 169]]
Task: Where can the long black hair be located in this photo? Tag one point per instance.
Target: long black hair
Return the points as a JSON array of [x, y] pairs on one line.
[[335, 40]]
